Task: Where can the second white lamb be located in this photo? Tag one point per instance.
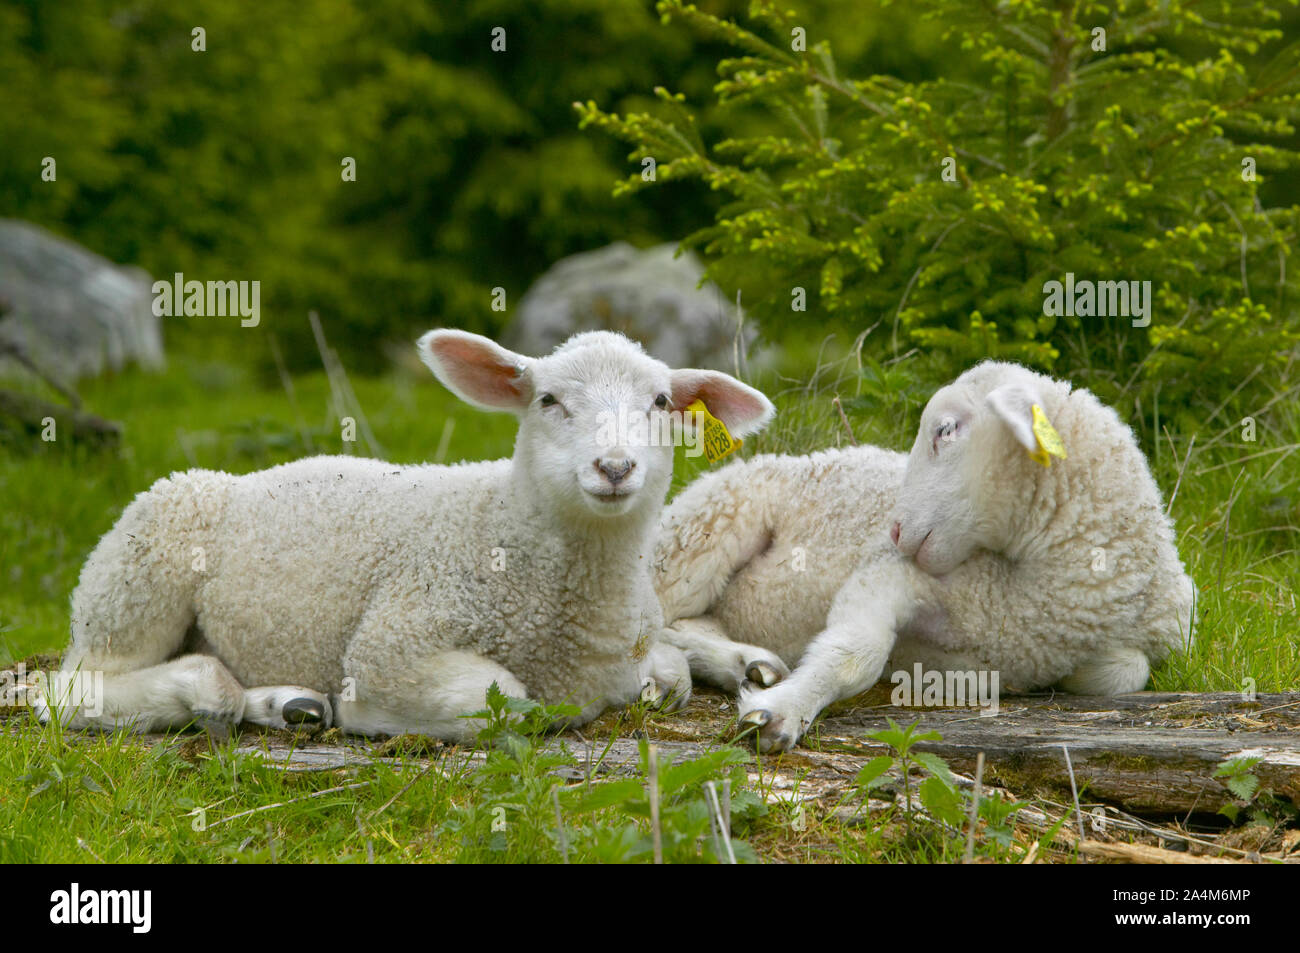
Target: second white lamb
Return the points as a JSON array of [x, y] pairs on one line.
[[1023, 535]]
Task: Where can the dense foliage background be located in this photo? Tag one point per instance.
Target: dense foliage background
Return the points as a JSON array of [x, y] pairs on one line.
[[1109, 142], [816, 167], [471, 170]]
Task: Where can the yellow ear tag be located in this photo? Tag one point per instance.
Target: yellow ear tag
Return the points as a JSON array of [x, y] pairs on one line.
[[718, 441], [1049, 441]]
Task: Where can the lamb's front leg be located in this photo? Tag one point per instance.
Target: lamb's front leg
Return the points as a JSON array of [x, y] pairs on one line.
[[846, 658], [716, 660]]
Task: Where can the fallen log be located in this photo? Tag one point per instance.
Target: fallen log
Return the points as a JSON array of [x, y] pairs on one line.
[[1149, 752], [1121, 853]]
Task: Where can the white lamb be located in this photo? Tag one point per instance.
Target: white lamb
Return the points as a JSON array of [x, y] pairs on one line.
[[1050, 572], [386, 598]]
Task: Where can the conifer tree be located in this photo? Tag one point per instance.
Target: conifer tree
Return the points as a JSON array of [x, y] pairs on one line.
[[1122, 141]]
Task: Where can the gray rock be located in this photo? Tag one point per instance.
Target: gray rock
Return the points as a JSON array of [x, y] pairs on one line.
[[648, 295], [71, 311]]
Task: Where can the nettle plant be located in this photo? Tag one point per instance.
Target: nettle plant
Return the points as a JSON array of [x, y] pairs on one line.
[[1110, 142]]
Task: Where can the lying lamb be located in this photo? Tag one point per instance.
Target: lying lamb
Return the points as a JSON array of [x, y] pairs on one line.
[[1049, 574], [387, 598]]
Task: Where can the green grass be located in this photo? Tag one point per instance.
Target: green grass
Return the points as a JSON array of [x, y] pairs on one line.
[[81, 798], [84, 798]]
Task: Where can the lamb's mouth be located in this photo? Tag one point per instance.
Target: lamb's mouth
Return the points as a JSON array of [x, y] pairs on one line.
[[612, 495], [916, 554]]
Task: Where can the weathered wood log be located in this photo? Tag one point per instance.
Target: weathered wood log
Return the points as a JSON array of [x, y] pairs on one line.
[[1121, 853], [15, 351], [1148, 752], [29, 414]]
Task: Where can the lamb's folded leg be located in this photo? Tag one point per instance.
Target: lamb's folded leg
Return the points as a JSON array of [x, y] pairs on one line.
[[717, 660], [1114, 671], [846, 658], [88, 693], [665, 677], [390, 693]]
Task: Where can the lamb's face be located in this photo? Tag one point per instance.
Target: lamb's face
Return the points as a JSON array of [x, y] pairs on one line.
[[969, 473], [598, 417], [598, 429]]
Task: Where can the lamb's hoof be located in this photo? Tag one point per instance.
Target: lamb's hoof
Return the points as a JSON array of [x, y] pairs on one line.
[[763, 673], [29, 694], [651, 693], [303, 711], [287, 707], [772, 738]]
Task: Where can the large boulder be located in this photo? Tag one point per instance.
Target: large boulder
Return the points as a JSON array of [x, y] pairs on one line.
[[649, 295], [72, 312]]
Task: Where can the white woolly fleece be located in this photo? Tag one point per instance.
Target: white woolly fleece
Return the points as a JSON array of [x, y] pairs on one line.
[[1063, 575], [387, 597]]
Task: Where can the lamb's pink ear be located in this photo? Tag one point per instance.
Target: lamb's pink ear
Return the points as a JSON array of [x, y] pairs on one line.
[[477, 370], [1014, 405], [743, 409]]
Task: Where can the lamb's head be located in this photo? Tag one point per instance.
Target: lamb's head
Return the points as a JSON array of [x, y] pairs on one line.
[[974, 466], [597, 416]]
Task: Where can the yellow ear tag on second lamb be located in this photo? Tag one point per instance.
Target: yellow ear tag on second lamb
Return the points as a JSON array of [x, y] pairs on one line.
[[1049, 441], [718, 441]]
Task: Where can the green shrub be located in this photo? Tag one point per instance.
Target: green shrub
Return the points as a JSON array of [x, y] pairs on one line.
[[934, 213]]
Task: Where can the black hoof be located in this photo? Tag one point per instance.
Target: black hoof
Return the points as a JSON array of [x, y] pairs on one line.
[[301, 711]]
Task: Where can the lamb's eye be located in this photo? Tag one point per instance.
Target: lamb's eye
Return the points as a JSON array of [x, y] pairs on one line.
[[944, 430], [661, 401], [547, 400]]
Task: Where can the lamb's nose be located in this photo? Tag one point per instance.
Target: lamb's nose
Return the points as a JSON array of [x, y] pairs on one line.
[[895, 531], [615, 470]]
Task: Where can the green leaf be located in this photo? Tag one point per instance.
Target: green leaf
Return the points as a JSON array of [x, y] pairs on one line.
[[584, 800], [1244, 786], [942, 801], [1282, 74], [871, 775], [681, 776], [936, 766]]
